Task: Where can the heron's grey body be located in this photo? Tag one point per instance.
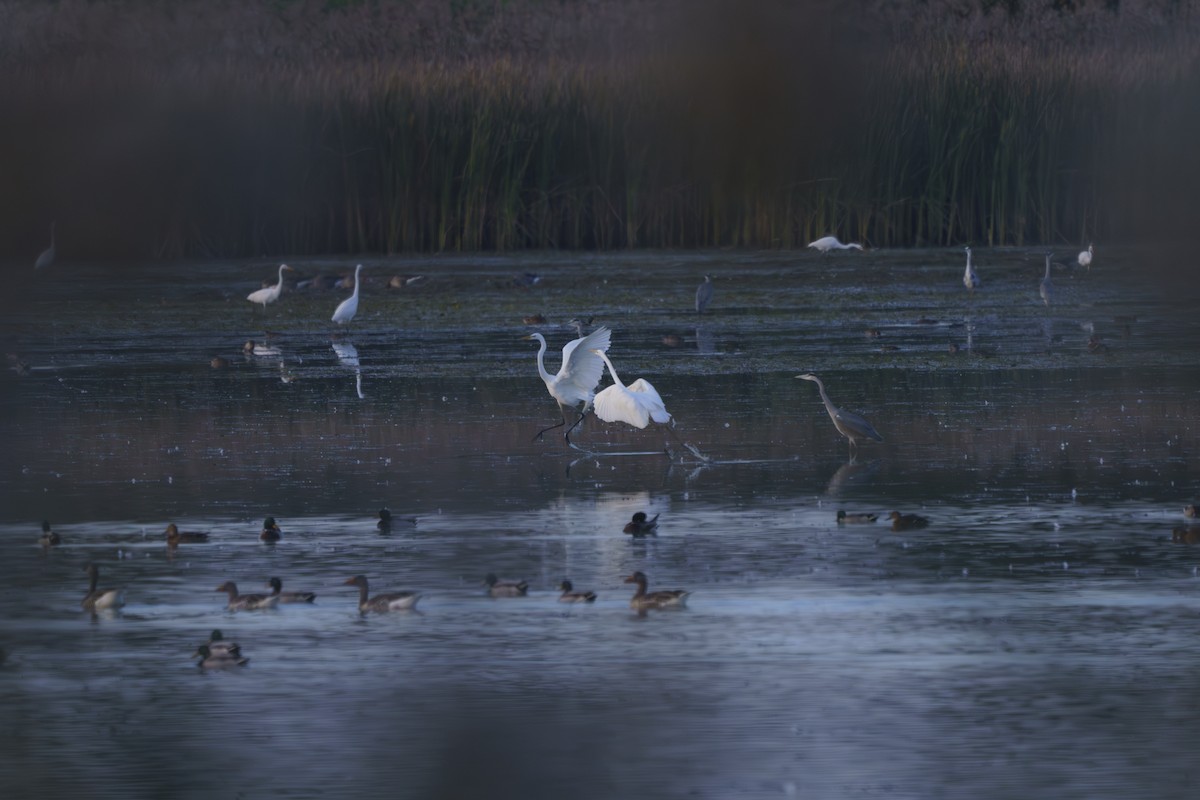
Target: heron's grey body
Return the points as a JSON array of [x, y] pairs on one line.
[[704, 294], [849, 424], [1046, 290]]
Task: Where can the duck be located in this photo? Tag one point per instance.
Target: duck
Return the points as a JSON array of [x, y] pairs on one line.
[[1188, 534], [642, 600], [100, 599], [218, 660], [217, 362], [261, 349], [570, 596], [640, 526], [48, 538], [386, 520], [393, 601], [175, 537], [218, 644], [270, 531], [498, 588], [904, 522], [854, 519], [534, 319], [289, 597], [1192, 511], [246, 602]]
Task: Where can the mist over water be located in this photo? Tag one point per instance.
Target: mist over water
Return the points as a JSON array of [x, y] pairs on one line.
[[1039, 633]]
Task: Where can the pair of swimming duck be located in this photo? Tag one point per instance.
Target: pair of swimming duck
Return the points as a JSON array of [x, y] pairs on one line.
[[252, 602], [498, 588]]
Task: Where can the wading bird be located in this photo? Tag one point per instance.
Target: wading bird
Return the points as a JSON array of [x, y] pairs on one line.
[[827, 243], [575, 384], [704, 294], [1085, 257], [246, 602], [289, 597], [348, 307], [640, 526], [499, 588], [1046, 290], [635, 404], [100, 599], [570, 596], [970, 279], [666, 598], [850, 425], [271, 293], [46, 258], [393, 601]]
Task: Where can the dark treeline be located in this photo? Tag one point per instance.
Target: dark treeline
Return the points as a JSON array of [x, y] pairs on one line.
[[266, 127]]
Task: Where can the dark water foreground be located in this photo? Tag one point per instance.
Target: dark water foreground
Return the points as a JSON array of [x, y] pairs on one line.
[[1039, 638]]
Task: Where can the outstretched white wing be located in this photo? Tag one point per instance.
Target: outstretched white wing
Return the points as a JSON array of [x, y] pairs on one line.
[[581, 368], [618, 404], [648, 397]]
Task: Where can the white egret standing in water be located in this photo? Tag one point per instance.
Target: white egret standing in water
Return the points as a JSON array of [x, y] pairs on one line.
[[348, 307], [827, 243], [1085, 257], [1046, 290], [271, 293], [850, 425], [970, 279], [47, 256], [635, 404], [575, 383]]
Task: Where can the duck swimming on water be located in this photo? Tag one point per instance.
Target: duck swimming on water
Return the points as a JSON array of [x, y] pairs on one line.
[[270, 531], [394, 601], [640, 526], [175, 537], [904, 522], [246, 602], [667, 598], [570, 596], [48, 538], [289, 597], [499, 588], [100, 599]]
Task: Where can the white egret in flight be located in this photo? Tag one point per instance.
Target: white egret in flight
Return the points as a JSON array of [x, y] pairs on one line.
[[849, 424], [635, 404], [575, 384], [47, 256], [970, 279], [827, 243], [348, 307], [271, 293]]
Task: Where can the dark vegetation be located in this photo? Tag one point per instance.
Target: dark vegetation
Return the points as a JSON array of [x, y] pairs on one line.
[[262, 127]]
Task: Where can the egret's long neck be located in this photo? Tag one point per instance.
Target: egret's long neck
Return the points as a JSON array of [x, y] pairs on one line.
[[541, 360], [611, 371], [1047, 276], [280, 281], [968, 261], [356, 280]]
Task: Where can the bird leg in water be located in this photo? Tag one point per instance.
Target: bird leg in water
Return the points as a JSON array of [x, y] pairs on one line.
[[552, 427], [691, 448], [567, 435]]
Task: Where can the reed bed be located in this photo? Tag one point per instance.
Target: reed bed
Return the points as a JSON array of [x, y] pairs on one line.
[[323, 135]]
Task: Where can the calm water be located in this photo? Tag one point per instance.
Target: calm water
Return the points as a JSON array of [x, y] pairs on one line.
[[1038, 639]]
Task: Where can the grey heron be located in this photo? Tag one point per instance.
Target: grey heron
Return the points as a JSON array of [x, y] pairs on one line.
[[850, 425], [704, 294]]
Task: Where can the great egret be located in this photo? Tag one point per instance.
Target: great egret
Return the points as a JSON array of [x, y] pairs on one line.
[[850, 425], [218, 660], [704, 294], [270, 531], [499, 588], [100, 599], [271, 293], [854, 519], [570, 596], [904, 522], [575, 383], [1046, 290], [635, 404], [666, 598], [641, 526], [393, 601], [175, 537], [348, 307], [1085, 257], [289, 597], [46, 258], [827, 243], [246, 602], [48, 538], [970, 279]]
